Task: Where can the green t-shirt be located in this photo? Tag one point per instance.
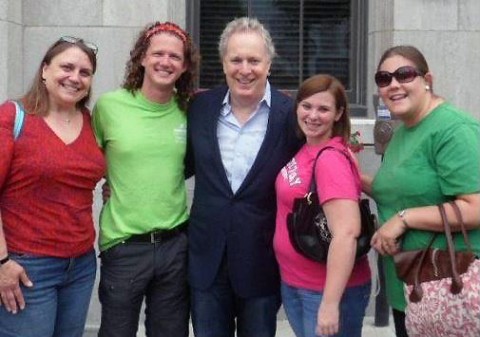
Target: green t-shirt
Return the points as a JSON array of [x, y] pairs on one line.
[[427, 164], [144, 143]]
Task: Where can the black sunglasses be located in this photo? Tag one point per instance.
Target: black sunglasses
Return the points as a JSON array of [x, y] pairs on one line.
[[74, 40], [404, 74]]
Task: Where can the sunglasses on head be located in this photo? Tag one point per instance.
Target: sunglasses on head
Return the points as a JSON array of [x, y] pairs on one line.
[[404, 74], [74, 40]]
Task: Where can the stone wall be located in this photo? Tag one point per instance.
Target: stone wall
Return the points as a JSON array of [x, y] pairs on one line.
[[446, 31]]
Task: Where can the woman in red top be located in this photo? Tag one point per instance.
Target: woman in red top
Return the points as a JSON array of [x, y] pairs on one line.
[[47, 175]]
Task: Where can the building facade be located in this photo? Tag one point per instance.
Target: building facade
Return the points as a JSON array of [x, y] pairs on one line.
[[445, 30]]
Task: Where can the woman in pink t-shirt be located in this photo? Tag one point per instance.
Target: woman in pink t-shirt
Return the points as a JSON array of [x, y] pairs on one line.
[[331, 298]]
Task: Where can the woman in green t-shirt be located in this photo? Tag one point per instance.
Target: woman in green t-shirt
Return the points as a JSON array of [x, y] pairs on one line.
[[433, 158]]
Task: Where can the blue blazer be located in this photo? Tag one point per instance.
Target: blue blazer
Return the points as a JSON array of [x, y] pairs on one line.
[[238, 226]]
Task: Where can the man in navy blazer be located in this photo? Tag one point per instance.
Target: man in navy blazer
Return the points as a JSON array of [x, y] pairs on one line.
[[239, 137]]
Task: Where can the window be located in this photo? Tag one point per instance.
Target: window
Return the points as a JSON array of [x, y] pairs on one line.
[[310, 37]]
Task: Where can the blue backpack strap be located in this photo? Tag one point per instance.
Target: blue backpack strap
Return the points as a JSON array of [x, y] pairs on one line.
[[19, 118]]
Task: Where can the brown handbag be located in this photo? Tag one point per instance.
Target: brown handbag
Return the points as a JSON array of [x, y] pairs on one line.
[[423, 265]]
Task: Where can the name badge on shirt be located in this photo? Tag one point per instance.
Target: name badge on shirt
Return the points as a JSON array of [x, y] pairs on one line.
[[180, 133]]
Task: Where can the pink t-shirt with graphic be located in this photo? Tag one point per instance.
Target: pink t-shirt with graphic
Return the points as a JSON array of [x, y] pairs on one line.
[[335, 180]]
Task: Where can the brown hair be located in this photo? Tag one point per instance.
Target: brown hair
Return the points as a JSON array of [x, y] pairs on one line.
[[320, 83], [35, 99], [135, 72], [410, 53]]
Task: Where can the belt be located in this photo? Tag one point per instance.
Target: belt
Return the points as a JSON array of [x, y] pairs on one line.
[[158, 235]]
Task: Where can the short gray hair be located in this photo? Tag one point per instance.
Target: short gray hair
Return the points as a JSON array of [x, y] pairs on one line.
[[242, 25]]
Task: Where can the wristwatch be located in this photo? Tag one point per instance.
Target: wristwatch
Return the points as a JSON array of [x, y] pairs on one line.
[[401, 215]]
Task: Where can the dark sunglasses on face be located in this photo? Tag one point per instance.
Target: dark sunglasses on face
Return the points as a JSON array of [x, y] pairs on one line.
[[74, 40], [404, 74]]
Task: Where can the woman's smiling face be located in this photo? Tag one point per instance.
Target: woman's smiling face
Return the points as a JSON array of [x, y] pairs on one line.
[[68, 77], [404, 100], [316, 116]]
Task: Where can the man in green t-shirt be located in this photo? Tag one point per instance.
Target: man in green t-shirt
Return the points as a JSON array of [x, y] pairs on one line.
[[142, 130]]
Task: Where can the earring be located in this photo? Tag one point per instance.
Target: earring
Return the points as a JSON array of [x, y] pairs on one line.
[[427, 87]]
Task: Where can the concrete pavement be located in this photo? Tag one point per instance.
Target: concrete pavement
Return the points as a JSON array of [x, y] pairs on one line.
[[284, 330]]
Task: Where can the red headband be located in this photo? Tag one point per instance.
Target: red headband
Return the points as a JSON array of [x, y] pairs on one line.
[[167, 27]]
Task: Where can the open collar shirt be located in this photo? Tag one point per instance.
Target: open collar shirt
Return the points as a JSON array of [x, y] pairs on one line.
[[239, 144]]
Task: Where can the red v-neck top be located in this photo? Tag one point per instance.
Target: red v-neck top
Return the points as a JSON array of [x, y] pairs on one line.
[[46, 187]]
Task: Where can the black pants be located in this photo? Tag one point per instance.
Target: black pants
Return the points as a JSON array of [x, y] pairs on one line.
[[157, 272], [399, 321]]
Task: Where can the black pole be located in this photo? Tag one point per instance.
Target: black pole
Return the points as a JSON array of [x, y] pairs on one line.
[[382, 310]]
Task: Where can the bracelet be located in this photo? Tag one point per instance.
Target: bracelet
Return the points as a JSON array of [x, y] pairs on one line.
[[401, 215], [4, 260]]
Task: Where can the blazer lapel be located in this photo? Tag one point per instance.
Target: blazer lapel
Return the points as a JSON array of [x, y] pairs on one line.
[[213, 111]]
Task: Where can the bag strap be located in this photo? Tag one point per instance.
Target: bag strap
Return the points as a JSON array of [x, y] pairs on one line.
[[459, 216], [313, 181], [457, 284], [19, 118], [417, 291]]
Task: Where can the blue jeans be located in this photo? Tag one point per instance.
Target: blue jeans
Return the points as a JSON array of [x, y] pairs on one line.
[[217, 311], [57, 304], [301, 307], [157, 272]]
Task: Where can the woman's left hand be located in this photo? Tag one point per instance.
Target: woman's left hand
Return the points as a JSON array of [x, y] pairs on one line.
[[385, 240], [328, 317]]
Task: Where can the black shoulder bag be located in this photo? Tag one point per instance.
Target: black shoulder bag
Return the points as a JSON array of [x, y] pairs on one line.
[[307, 224]]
